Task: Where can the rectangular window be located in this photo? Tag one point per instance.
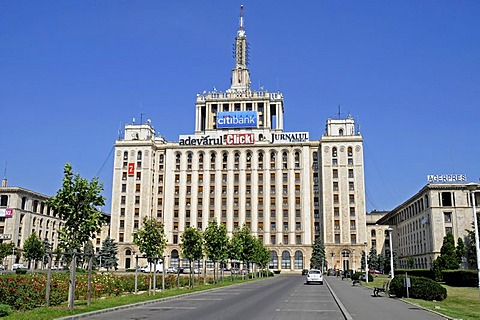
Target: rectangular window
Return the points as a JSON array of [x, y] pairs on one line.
[[446, 199], [124, 187], [337, 238], [120, 237], [447, 216], [353, 238]]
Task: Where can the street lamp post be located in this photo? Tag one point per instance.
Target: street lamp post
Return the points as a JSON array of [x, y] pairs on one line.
[[473, 188], [390, 233], [366, 263]]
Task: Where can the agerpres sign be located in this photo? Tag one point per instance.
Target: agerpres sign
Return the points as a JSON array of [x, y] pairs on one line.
[[237, 119], [443, 178], [289, 137]]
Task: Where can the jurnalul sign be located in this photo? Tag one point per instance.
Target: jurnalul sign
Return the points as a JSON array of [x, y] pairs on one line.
[[446, 178], [237, 119]]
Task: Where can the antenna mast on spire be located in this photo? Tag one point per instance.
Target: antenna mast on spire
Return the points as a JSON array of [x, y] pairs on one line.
[[241, 18]]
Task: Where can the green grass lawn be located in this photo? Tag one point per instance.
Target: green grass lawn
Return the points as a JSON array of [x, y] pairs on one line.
[[461, 303], [49, 313]]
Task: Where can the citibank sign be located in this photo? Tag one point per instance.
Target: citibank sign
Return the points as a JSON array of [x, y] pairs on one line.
[[237, 119]]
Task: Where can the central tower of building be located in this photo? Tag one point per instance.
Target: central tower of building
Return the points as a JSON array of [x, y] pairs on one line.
[[240, 167]]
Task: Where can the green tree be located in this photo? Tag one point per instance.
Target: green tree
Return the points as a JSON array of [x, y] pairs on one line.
[[380, 262], [471, 251], [76, 204], [33, 249], [235, 248], [248, 246], [262, 255], [448, 256], [151, 239], [192, 248], [215, 243], [107, 256], [460, 251], [362, 262], [373, 259], [6, 249], [317, 261]]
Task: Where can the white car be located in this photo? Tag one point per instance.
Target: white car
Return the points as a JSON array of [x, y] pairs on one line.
[[314, 275]]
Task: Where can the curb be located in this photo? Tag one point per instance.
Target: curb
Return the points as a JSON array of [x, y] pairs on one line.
[[138, 304], [344, 311]]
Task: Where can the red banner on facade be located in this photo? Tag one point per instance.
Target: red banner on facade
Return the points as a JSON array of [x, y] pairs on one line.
[[131, 168]]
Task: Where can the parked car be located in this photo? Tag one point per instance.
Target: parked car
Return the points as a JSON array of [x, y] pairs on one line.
[[314, 275], [18, 266], [172, 270], [2, 267]]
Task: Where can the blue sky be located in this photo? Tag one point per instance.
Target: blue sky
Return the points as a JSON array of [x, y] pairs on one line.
[[72, 73]]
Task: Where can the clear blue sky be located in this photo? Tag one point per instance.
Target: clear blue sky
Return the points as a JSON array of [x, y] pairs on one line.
[[73, 72]]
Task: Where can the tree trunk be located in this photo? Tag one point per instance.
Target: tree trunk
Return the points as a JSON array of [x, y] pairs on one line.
[[49, 280], [89, 282], [71, 291]]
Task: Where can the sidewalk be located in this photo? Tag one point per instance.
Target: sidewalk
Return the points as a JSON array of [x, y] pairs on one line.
[[362, 305]]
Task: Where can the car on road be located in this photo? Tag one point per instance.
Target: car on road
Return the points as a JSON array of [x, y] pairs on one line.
[[172, 270], [314, 275], [18, 266], [2, 267]]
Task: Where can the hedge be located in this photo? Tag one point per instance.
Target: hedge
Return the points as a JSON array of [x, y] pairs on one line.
[[421, 288], [460, 278], [426, 273]]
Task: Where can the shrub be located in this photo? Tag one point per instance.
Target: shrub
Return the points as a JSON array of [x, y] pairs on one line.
[[460, 278], [21, 271], [5, 310], [421, 288], [357, 275]]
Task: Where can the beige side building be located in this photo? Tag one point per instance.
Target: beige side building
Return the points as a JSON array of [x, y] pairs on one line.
[[421, 222], [24, 212], [240, 167]]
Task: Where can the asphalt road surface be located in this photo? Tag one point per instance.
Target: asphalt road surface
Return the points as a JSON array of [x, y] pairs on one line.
[[279, 298]]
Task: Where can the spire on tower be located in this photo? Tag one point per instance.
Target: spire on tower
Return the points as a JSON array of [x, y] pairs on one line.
[[240, 27]]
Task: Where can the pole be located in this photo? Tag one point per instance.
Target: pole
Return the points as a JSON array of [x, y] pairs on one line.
[[136, 274], [163, 274], [49, 279], [390, 233], [366, 264], [71, 291], [477, 245]]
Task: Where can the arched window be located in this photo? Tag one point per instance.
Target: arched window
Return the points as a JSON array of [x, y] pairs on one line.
[[350, 152], [125, 155], [315, 156], [273, 260], [334, 152], [373, 234], [161, 159], [139, 155], [297, 160], [340, 132], [286, 260], [177, 158], [298, 262]]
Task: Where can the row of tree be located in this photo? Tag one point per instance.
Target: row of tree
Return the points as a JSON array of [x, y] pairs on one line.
[[213, 244]]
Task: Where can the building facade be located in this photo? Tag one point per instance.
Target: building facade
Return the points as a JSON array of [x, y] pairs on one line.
[[421, 222], [24, 212], [240, 167]]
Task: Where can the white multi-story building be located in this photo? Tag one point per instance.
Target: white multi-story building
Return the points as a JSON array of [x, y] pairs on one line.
[[241, 167], [420, 223]]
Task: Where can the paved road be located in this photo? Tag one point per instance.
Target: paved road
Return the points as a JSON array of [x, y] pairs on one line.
[[360, 303], [279, 298]]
